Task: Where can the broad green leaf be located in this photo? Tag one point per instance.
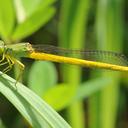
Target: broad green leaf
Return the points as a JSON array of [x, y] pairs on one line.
[[33, 23], [64, 95], [91, 87], [25, 8], [33, 108], [59, 96], [31, 6], [7, 18], [42, 76]]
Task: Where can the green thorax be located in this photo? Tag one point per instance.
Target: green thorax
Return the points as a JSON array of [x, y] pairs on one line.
[[18, 50]]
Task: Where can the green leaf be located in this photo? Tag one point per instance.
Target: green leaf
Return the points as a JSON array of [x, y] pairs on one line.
[[59, 96], [91, 87], [31, 6], [33, 108], [40, 17], [42, 76], [7, 18]]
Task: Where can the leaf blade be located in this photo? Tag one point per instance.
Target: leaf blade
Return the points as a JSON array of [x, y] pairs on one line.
[[33, 23], [26, 102], [46, 74], [7, 18]]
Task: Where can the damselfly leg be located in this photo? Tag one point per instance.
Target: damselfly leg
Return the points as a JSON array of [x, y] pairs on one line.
[[21, 67], [10, 64]]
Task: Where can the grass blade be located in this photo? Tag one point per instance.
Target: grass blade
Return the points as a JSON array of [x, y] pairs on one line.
[[32, 107]]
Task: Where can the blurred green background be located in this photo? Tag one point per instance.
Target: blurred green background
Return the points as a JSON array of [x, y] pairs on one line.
[[85, 98]]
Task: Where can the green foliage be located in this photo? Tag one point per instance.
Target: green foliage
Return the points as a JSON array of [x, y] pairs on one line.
[[33, 108], [2, 125], [86, 89], [33, 23], [19, 19], [104, 105], [30, 7], [63, 91], [27, 21], [71, 35], [55, 95], [46, 75], [7, 18], [80, 24]]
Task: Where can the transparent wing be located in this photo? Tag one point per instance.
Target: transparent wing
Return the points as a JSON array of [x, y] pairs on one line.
[[92, 55]]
